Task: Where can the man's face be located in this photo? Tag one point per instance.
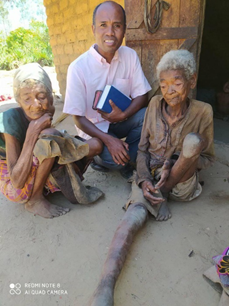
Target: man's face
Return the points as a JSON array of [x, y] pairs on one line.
[[34, 101], [174, 86], [109, 29]]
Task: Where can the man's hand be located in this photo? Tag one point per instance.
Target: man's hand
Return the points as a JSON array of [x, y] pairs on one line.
[[151, 193], [118, 150], [115, 116]]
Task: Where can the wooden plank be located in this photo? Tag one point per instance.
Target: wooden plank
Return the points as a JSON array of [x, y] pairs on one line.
[[200, 34], [188, 43], [190, 12], [137, 48], [134, 13], [151, 55], [170, 18], [162, 33], [181, 28]]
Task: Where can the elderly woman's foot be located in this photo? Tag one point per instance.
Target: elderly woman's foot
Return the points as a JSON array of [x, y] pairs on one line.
[[164, 213], [44, 208]]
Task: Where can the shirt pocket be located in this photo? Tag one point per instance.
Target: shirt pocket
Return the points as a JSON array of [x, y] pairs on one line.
[[123, 85]]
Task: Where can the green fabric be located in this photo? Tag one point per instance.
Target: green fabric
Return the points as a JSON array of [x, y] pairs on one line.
[[2, 143], [13, 122]]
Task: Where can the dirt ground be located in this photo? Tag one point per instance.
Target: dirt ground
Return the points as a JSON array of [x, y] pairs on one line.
[[58, 261]]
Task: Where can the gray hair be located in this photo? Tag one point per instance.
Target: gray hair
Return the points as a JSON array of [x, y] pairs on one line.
[[30, 83], [177, 60]]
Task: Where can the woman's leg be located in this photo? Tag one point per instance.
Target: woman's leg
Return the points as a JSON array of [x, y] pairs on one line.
[[95, 148], [133, 220], [186, 165], [37, 203], [182, 170]]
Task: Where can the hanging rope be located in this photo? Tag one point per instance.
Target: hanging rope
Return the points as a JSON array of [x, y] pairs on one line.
[[160, 5]]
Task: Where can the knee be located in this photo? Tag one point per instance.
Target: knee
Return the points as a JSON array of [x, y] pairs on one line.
[[138, 211], [137, 207], [95, 146], [193, 144]]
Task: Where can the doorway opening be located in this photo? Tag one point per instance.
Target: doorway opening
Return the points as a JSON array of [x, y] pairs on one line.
[[213, 75]]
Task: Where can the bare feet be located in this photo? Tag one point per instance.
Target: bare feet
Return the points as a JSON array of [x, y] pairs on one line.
[[164, 213], [44, 208]]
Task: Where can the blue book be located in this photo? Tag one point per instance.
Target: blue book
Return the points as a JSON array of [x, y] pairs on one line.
[[101, 99]]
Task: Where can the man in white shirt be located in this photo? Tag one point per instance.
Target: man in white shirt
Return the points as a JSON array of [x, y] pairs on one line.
[[107, 62]]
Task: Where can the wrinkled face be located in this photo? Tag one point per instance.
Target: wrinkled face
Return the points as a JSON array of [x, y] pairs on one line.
[[109, 29], [35, 101], [174, 86]]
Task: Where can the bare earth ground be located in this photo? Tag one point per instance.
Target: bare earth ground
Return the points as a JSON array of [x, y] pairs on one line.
[[58, 261]]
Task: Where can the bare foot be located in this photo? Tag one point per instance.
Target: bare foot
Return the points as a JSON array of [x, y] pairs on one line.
[[164, 213], [44, 208]]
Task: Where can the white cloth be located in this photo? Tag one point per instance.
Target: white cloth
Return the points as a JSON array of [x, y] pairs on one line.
[[91, 72], [31, 71]]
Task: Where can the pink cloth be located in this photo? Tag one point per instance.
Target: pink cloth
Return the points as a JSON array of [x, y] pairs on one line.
[[21, 195], [91, 72]]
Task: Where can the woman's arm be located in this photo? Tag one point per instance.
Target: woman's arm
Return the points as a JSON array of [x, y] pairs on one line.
[[207, 156], [143, 155], [19, 160]]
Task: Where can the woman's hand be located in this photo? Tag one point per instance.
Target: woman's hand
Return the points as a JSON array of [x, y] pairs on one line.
[[165, 172], [118, 150], [37, 125], [151, 193]]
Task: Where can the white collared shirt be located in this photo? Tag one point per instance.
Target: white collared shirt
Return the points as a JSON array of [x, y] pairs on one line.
[[90, 72]]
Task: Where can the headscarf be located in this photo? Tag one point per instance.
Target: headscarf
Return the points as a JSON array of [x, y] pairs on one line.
[[31, 71]]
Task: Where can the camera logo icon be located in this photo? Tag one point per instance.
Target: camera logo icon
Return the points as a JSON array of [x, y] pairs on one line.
[[15, 289]]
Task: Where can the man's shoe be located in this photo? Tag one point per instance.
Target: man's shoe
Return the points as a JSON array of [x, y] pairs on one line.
[[98, 167], [127, 171]]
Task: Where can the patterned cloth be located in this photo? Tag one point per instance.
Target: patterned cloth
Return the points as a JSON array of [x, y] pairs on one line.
[[21, 195], [222, 268]]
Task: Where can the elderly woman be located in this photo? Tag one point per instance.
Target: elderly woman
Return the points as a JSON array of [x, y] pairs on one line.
[[177, 137], [22, 177], [176, 143]]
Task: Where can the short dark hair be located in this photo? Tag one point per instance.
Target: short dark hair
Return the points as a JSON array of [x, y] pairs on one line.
[[96, 8]]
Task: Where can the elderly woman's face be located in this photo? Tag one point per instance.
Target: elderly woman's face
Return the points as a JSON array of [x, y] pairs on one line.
[[174, 87], [35, 101]]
